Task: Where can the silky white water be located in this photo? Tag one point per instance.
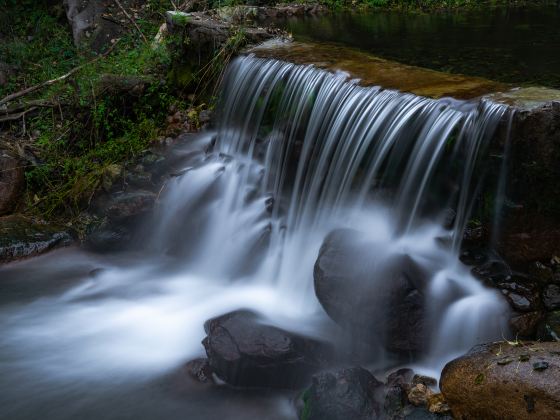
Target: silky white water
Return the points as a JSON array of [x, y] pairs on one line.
[[297, 152]]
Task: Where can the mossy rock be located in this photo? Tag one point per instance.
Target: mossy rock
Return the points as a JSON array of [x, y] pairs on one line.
[[21, 237]]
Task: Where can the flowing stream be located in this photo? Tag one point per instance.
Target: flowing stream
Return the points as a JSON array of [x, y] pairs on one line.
[[296, 153]]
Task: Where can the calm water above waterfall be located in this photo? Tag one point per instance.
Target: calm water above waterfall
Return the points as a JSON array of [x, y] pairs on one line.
[[520, 46], [296, 153]]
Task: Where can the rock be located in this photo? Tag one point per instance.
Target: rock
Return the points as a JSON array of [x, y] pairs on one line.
[[425, 380], [525, 325], [378, 298], [395, 401], [87, 22], [401, 377], [12, 181], [200, 370], [419, 394], [348, 393], [532, 233], [551, 297], [245, 352], [481, 385], [21, 238], [549, 328], [125, 205], [437, 404], [109, 238]]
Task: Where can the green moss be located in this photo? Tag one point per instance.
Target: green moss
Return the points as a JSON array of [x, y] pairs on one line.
[[306, 411]]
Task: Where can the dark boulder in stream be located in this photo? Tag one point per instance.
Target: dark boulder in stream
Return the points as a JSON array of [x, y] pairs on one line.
[[245, 352], [378, 299], [348, 393], [504, 381]]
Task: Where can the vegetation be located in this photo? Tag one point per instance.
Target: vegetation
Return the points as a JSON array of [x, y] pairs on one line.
[[75, 131]]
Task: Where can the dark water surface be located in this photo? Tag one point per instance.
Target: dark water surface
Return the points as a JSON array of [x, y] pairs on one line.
[[520, 46]]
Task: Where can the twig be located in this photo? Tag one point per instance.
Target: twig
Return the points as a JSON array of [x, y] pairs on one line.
[[34, 88], [17, 116], [118, 3]]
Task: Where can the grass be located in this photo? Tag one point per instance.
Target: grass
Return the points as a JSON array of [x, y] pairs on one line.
[[85, 129]]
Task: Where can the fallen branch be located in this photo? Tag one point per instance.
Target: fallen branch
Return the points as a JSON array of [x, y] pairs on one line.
[[27, 105], [118, 3], [34, 88], [17, 116]]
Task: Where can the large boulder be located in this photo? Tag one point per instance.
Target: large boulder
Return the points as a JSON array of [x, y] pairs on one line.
[[378, 298], [348, 393], [21, 238], [12, 181], [89, 22], [245, 352], [531, 229], [504, 381]]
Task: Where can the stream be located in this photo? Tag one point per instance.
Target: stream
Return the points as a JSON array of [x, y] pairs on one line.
[[295, 153]]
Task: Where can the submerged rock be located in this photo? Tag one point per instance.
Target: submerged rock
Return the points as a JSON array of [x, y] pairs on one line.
[[244, 352], [379, 299], [12, 181], [500, 381], [21, 238], [344, 394]]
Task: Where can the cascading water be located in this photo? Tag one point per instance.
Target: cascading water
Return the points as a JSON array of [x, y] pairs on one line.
[[297, 153]]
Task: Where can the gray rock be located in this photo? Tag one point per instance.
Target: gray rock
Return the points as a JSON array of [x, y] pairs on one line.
[[344, 394], [21, 238], [379, 299], [551, 297], [127, 205], [245, 352]]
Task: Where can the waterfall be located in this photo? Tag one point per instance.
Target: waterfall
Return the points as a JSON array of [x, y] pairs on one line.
[[299, 152], [296, 153]]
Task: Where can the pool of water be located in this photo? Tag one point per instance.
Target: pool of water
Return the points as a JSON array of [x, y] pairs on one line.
[[513, 45]]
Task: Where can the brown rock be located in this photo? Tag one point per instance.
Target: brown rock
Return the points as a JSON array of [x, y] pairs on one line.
[[525, 325], [419, 395], [12, 181], [504, 381], [437, 404]]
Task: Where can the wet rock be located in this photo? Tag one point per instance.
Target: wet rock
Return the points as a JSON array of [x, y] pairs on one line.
[[437, 404], [245, 352], [200, 370], [109, 238], [474, 256], [395, 401], [532, 233], [425, 380], [125, 205], [419, 394], [378, 299], [549, 328], [477, 386], [525, 325], [139, 178], [21, 238], [401, 377], [348, 393], [551, 297], [493, 272], [12, 181]]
